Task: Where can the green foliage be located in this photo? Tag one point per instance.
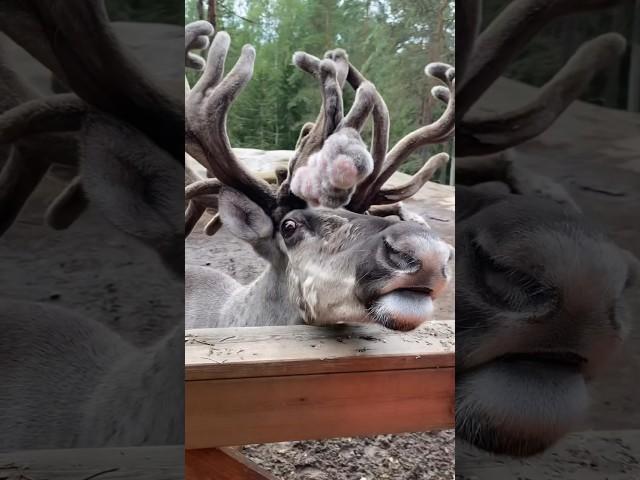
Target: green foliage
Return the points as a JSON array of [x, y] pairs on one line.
[[391, 41]]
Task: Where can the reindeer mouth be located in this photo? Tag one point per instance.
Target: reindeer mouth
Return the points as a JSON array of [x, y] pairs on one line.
[[403, 308], [521, 403], [551, 359]]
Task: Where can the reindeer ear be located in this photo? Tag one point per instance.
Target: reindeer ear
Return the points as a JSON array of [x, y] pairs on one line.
[[244, 218], [132, 181]]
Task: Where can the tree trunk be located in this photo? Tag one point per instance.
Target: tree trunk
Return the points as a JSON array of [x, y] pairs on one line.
[[200, 9], [212, 14]]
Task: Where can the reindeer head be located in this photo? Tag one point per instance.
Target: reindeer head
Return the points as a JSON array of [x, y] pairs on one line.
[[351, 264], [539, 289]]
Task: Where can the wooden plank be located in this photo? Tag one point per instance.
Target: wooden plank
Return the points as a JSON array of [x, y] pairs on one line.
[[222, 464], [144, 463], [296, 350], [593, 455], [239, 411]]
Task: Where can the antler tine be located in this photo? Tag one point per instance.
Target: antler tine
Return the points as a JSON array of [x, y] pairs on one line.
[[380, 138], [68, 206], [304, 132], [328, 72], [196, 37], [208, 186], [29, 160], [19, 178], [331, 73], [490, 134], [307, 63], [206, 136], [396, 194], [501, 41], [362, 106], [213, 226], [56, 113], [398, 210], [191, 216], [437, 132], [341, 61], [331, 98]]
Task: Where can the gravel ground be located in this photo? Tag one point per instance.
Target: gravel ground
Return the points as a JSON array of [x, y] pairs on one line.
[[416, 456]]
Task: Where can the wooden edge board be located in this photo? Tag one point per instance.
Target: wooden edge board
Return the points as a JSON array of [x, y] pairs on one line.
[[222, 464], [240, 411], [301, 350], [144, 463]]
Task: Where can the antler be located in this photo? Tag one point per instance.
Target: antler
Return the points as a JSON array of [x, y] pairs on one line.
[[323, 173], [206, 138], [27, 125], [372, 192], [78, 45], [330, 157], [331, 165], [206, 108]]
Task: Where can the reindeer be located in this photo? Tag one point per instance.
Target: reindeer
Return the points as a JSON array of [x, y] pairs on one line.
[[68, 380], [334, 254], [539, 299]]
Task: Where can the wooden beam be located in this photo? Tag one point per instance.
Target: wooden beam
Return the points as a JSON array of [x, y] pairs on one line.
[[144, 463], [222, 464], [271, 384], [297, 350]]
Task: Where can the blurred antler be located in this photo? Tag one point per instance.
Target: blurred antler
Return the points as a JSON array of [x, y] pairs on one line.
[[493, 133], [82, 50], [488, 54], [27, 126], [79, 47]]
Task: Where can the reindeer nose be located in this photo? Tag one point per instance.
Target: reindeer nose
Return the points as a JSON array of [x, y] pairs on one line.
[[419, 262], [401, 255]]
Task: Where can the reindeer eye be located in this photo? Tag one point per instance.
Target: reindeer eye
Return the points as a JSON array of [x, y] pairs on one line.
[[288, 228]]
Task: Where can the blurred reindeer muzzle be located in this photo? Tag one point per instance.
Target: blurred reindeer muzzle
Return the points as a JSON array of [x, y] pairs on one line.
[[409, 271]]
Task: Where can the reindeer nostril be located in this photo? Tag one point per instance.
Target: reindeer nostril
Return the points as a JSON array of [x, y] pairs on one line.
[[400, 260]]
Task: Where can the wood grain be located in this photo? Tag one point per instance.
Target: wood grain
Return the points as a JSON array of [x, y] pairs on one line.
[[222, 464], [315, 406], [296, 350], [143, 463]]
